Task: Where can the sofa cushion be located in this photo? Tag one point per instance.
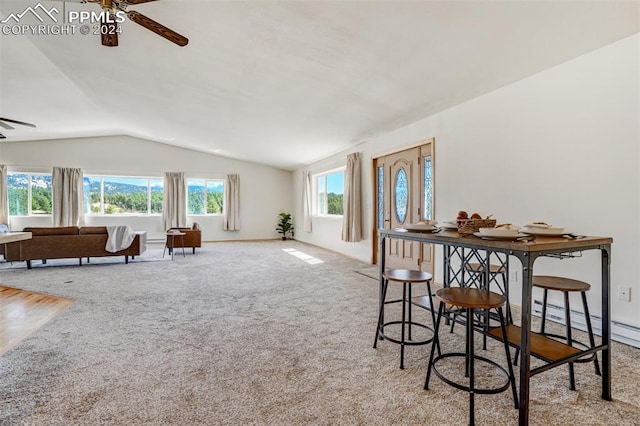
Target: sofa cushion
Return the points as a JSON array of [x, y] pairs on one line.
[[57, 230], [93, 230]]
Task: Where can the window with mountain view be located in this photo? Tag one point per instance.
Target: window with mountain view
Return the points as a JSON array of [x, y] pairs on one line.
[[205, 196], [29, 194], [123, 195], [329, 193]]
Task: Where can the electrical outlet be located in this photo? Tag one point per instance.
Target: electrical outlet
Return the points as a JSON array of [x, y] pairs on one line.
[[513, 276], [624, 293]]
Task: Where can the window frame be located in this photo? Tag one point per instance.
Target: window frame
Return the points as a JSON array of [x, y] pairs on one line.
[[205, 181], [30, 194], [316, 192], [101, 213]]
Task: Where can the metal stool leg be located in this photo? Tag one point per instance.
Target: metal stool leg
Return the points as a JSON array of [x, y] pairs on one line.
[[484, 314], [436, 341], [567, 320], [470, 359], [592, 341], [543, 322], [402, 325], [381, 313], [505, 292], [433, 314], [512, 378], [408, 301]]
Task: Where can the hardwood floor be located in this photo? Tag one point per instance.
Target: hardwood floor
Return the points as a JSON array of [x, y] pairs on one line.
[[23, 312]]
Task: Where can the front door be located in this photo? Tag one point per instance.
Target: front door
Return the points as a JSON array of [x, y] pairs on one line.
[[404, 195]]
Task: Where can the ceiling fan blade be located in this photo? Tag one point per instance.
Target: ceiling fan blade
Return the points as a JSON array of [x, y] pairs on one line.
[[108, 34], [138, 1], [157, 28], [6, 126], [8, 120]]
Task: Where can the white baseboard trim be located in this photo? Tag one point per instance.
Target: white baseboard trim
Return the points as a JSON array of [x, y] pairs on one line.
[[620, 332]]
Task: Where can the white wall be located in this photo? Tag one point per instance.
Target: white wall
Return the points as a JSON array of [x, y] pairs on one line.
[[561, 146], [264, 191]]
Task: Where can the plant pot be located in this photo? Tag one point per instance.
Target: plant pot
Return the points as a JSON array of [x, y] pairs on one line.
[[284, 238]]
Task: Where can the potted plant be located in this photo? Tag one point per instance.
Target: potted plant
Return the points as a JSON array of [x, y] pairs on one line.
[[285, 227]]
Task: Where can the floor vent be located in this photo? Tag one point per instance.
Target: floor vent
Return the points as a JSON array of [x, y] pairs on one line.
[[620, 332]]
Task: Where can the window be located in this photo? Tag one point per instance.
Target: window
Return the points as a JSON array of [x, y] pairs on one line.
[[329, 191], [380, 197], [29, 194], [428, 189], [156, 195], [123, 195], [205, 196]]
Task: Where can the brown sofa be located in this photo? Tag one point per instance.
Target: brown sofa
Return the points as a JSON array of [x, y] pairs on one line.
[[68, 242], [192, 238]]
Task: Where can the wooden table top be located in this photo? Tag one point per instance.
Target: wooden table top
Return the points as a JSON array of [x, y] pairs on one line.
[[10, 237], [536, 244]]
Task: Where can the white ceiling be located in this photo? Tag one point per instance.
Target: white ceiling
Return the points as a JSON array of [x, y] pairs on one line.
[[287, 83]]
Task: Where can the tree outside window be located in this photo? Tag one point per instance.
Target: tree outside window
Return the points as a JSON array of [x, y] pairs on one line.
[[29, 194], [114, 195], [330, 193], [205, 196]]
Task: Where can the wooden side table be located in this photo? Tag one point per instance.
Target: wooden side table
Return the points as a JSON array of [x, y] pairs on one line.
[[173, 236], [11, 237]]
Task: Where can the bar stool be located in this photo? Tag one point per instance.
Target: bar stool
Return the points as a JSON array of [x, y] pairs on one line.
[[407, 277], [471, 299], [566, 286]]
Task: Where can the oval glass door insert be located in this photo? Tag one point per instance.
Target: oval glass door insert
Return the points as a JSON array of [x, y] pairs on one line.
[[400, 195]]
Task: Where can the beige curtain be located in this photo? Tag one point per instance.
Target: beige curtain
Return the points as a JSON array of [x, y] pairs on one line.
[[232, 203], [174, 204], [352, 218], [4, 196], [306, 201], [68, 196]]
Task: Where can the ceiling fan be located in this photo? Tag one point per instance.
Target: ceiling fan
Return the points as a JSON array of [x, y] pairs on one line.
[[4, 123], [109, 26]]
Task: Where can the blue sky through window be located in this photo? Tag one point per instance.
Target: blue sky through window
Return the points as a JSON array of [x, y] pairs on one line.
[[335, 183]]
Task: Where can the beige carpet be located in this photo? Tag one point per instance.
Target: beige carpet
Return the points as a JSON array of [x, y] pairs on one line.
[[246, 333]]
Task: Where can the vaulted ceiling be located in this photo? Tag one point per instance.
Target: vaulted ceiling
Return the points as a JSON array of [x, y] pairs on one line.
[[286, 83]]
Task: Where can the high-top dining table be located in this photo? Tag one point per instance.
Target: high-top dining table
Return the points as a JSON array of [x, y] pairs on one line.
[[456, 252]]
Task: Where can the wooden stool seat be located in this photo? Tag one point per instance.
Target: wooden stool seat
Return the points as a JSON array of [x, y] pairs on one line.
[[478, 268], [559, 283], [407, 276], [466, 297]]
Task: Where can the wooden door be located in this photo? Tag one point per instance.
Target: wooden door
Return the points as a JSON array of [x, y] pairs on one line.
[[404, 195]]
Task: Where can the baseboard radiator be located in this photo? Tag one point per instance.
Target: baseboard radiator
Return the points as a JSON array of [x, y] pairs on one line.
[[620, 332]]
